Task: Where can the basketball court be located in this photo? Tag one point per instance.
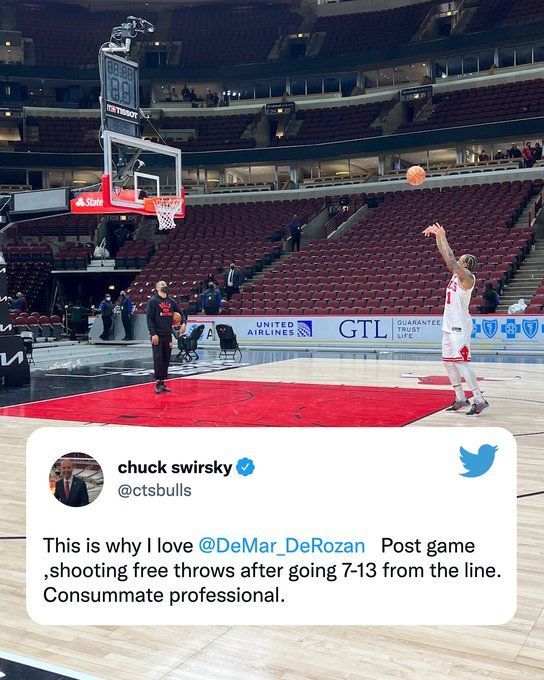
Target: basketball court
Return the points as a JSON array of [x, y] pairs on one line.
[[80, 386], [277, 388]]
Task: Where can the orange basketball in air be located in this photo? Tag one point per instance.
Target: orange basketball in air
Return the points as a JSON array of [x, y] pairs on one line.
[[415, 175], [176, 319]]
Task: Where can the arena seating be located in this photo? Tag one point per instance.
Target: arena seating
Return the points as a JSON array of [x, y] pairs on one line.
[[29, 278], [67, 34], [363, 31], [492, 13], [134, 254], [64, 225], [212, 132], [70, 135], [73, 135], [40, 325], [231, 34], [213, 236], [334, 124], [511, 101], [15, 252], [536, 305], [385, 265], [73, 256]]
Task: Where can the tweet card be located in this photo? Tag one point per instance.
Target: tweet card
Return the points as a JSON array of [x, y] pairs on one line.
[[277, 526]]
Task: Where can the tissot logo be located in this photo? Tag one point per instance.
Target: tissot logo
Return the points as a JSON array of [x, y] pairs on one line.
[[122, 112], [8, 360]]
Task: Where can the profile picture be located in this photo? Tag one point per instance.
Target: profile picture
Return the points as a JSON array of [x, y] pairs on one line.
[[76, 479]]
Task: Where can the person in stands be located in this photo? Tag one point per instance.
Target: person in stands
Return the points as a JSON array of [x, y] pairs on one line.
[[211, 300], [296, 233], [528, 155], [20, 304], [490, 299], [233, 280]]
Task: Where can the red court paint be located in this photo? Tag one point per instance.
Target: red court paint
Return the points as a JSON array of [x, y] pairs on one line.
[[233, 403]]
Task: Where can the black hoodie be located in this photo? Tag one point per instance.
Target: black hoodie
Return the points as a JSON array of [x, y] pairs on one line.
[[159, 313]]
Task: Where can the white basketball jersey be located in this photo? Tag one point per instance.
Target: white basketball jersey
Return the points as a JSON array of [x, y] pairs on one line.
[[456, 308]]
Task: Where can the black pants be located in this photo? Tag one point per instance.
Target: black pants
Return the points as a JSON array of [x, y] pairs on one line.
[[295, 243], [127, 325], [107, 322], [231, 290], [161, 357]]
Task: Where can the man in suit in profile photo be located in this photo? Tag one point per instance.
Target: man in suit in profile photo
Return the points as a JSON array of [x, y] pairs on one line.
[[69, 489]]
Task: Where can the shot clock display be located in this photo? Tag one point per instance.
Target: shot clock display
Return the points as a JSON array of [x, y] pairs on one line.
[[120, 95]]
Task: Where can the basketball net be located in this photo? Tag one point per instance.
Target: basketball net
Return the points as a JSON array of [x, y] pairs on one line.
[[166, 209]]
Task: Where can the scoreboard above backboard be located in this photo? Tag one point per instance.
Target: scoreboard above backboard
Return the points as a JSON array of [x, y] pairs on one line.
[[120, 95]]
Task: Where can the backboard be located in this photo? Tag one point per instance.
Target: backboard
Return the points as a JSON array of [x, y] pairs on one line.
[[134, 170], [146, 168]]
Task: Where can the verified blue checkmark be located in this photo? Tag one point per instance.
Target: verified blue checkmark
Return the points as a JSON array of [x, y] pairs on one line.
[[245, 467]]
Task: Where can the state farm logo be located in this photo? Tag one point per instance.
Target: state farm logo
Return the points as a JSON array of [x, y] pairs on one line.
[[89, 202]]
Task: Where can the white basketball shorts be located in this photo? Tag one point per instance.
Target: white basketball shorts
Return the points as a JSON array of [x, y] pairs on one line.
[[456, 345]]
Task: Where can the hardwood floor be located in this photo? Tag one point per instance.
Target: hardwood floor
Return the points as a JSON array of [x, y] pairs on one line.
[[514, 651]]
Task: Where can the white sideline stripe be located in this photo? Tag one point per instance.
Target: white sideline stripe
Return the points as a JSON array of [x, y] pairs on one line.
[[42, 665]]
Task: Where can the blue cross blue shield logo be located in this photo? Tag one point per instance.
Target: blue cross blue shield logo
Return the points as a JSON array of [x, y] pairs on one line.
[[490, 326], [530, 327]]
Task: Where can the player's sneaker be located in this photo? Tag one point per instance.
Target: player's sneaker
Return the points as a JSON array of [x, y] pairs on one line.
[[160, 388], [477, 408], [457, 406], [164, 388]]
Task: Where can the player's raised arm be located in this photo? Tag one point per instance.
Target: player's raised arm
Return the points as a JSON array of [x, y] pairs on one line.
[[454, 265]]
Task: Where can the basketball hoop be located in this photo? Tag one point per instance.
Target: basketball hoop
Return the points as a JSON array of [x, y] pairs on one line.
[[166, 208]]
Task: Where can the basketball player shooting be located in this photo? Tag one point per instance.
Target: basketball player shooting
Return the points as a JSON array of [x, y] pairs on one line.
[[457, 325]]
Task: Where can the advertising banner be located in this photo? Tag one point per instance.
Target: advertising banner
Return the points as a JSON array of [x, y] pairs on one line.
[[357, 331]]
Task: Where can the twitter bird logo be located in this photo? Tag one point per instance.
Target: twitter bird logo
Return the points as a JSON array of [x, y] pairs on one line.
[[477, 464]]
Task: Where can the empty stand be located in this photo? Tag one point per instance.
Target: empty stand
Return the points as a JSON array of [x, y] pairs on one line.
[[492, 13], [385, 265], [231, 34], [134, 254], [211, 132], [334, 124], [61, 226], [358, 32], [30, 278], [73, 256], [67, 35], [511, 101], [536, 305], [213, 236], [64, 135]]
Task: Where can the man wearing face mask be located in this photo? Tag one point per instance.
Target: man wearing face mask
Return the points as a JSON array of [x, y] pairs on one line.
[[233, 281], [159, 312], [125, 303], [106, 310]]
